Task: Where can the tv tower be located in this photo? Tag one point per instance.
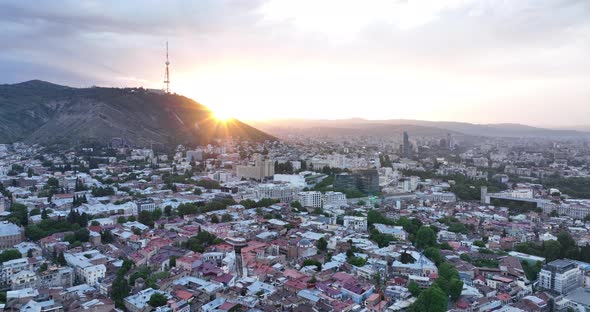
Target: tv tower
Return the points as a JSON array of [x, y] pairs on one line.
[[167, 75]]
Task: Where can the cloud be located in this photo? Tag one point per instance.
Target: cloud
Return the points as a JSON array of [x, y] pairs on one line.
[[468, 53]]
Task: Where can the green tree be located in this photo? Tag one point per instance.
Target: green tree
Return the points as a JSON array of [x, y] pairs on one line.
[[455, 289], [145, 218], [432, 299], [10, 254], [168, 211], [414, 289], [322, 244], [61, 259], [120, 289], [425, 237], [433, 254], [479, 243], [226, 218], [19, 214], [308, 262], [551, 250]]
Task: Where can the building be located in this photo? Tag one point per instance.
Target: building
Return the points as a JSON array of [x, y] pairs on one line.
[[146, 204], [406, 148], [87, 266], [344, 181], [355, 223], [561, 276], [4, 203], [284, 193], [310, 199], [261, 169], [10, 234], [395, 231], [334, 199], [367, 180], [364, 180], [12, 268], [139, 301]]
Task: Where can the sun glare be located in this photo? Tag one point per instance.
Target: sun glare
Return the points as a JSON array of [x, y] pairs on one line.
[[222, 116]]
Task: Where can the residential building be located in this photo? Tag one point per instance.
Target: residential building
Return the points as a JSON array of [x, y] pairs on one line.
[[10, 234], [561, 276]]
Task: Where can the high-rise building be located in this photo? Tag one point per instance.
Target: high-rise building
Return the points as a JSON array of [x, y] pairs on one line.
[[364, 180], [344, 181], [261, 169], [367, 180], [406, 146], [561, 276]]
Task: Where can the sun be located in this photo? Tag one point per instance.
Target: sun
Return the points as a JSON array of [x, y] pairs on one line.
[[222, 116]]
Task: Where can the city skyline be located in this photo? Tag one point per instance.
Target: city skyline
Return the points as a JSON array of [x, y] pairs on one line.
[[471, 61]]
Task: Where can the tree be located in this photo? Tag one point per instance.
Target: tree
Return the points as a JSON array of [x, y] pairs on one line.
[[120, 289], [569, 249], [434, 255], [322, 244], [19, 214], [106, 237], [414, 289], [455, 289], [296, 204], [551, 250], [309, 262], [214, 219], [425, 237], [10, 254], [226, 218], [44, 214], [61, 259], [432, 299], [156, 214], [145, 218], [30, 253], [479, 243], [121, 220], [168, 211]]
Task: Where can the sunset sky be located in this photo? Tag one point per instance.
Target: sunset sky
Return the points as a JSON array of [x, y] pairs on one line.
[[483, 61]]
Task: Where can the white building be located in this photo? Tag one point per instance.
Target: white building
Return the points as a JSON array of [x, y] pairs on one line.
[[561, 276], [283, 192], [395, 231], [296, 180], [335, 199], [355, 223], [85, 269], [310, 199]]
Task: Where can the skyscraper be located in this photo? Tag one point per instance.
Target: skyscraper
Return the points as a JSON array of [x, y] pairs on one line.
[[406, 146]]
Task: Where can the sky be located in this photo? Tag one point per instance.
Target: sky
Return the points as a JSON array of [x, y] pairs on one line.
[[481, 61]]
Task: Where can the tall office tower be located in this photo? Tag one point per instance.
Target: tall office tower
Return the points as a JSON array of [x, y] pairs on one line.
[[406, 146]]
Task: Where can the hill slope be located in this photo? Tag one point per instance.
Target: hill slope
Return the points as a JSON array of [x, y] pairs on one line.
[[41, 112]]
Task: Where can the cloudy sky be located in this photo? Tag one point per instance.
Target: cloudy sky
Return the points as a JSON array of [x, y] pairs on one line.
[[483, 61]]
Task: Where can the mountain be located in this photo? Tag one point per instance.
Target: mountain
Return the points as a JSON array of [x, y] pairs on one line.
[[360, 126], [41, 112]]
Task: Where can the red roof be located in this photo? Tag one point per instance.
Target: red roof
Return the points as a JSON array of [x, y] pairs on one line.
[[183, 294]]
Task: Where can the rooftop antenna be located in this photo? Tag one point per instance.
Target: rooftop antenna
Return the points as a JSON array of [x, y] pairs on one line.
[[167, 75]]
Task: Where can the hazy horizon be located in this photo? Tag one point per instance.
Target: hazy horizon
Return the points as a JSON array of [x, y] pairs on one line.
[[475, 61]]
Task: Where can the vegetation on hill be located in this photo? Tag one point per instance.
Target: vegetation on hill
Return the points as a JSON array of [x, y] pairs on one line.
[[41, 112]]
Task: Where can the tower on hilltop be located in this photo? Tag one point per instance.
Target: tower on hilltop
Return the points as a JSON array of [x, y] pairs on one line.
[[167, 74]]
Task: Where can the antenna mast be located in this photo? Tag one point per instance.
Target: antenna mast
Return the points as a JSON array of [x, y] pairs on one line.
[[167, 75]]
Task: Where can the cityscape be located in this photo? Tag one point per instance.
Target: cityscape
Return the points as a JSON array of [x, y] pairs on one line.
[[134, 196]]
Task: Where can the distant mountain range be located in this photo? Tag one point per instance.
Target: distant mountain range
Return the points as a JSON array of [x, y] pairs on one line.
[[41, 112], [358, 126]]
